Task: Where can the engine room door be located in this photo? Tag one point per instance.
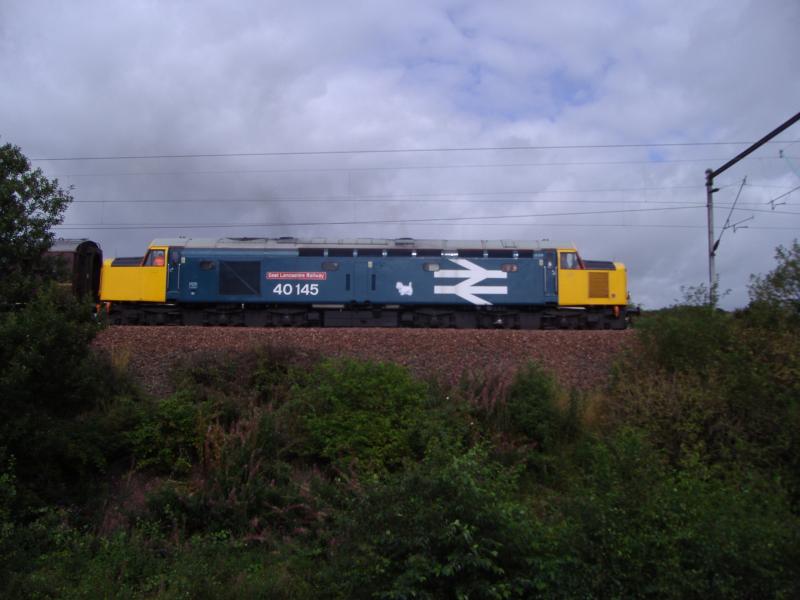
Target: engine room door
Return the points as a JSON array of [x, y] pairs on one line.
[[365, 279], [550, 268]]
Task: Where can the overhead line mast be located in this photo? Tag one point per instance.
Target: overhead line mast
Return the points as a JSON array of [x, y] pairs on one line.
[[710, 189]]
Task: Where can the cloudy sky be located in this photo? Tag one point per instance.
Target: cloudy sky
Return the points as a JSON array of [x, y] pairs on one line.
[[584, 122]]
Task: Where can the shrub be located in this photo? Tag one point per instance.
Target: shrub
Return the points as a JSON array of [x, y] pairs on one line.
[[638, 527], [687, 338], [44, 356], [534, 423], [360, 414], [778, 292], [135, 565], [532, 409], [52, 387], [448, 527], [169, 436]]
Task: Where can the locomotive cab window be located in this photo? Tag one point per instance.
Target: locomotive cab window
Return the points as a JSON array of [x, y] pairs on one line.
[[154, 258], [569, 260]]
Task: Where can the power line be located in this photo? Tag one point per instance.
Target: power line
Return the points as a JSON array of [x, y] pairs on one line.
[[397, 201], [429, 197], [403, 167], [386, 151], [772, 202], [404, 221], [358, 200], [401, 197], [759, 185], [518, 224], [769, 212]]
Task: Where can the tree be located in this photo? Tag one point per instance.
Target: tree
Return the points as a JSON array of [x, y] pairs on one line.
[[781, 286], [30, 205]]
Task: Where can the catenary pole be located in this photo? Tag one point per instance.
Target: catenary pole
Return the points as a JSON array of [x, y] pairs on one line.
[[712, 291], [710, 189]]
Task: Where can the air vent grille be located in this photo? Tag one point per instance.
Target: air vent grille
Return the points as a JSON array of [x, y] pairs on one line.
[[598, 285]]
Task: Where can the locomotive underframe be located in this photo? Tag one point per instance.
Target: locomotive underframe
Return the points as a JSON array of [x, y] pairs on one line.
[[359, 315]]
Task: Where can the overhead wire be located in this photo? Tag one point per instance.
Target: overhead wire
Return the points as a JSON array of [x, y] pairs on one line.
[[389, 151], [791, 191], [517, 224], [353, 169], [429, 197], [438, 198], [421, 220]]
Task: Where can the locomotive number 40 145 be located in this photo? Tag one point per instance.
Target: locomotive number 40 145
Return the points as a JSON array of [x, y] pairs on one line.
[[297, 289]]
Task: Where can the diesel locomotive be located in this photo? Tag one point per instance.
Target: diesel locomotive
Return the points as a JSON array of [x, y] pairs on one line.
[[364, 283]]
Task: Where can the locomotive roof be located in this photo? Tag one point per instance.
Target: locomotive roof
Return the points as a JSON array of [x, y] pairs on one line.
[[409, 243]]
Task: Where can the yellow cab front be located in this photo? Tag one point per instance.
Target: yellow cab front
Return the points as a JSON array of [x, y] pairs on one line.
[[136, 280], [590, 283]]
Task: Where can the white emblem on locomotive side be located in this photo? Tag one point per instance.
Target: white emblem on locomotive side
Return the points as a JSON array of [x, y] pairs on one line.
[[405, 290], [468, 289]]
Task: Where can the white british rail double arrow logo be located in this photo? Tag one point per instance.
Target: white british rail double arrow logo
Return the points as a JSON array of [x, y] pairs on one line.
[[472, 275]]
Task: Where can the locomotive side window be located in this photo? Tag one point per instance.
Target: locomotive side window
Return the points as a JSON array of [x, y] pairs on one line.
[[155, 258], [330, 266], [569, 260], [431, 267], [500, 253], [509, 268], [471, 253], [340, 252]]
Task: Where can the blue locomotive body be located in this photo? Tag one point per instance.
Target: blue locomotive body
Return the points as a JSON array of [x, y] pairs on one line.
[[362, 276], [364, 282]]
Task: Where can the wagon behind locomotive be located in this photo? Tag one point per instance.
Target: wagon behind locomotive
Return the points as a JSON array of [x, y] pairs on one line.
[[365, 282], [77, 265]]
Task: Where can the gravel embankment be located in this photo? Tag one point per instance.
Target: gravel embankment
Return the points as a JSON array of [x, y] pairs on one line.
[[577, 358]]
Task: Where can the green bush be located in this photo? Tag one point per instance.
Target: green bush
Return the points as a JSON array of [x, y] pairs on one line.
[[448, 527], [244, 486], [637, 527], [79, 565], [169, 437], [720, 385], [533, 423], [532, 410], [361, 415], [276, 371], [44, 357], [53, 388], [687, 338]]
